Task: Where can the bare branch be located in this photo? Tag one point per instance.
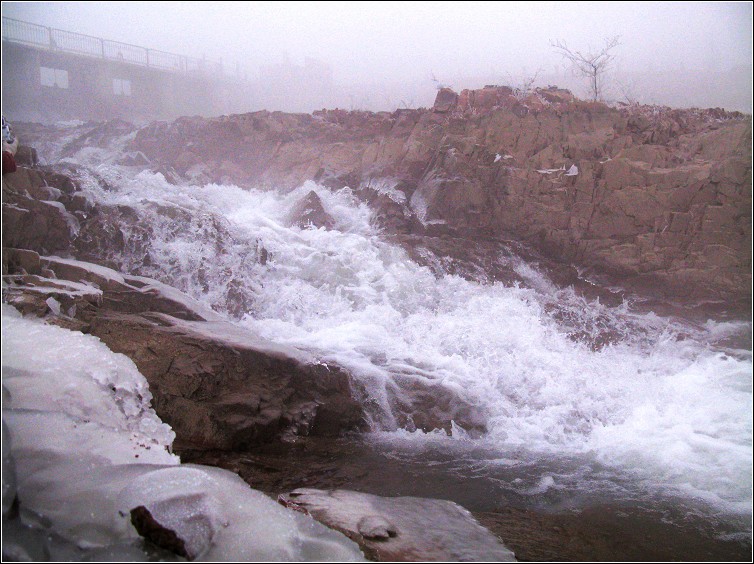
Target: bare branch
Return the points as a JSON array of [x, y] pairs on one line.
[[407, 103], [524, 85], [590, 64], [438, 84], [628, 91]]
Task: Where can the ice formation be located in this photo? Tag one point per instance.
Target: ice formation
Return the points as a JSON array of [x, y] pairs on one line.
[[83, 448]]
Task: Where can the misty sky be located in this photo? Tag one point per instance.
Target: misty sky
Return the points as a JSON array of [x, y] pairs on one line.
[[411, 40], [385, 55]]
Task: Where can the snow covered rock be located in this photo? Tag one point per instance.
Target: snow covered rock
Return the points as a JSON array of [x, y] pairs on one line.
[[376, 527], [402, 528]]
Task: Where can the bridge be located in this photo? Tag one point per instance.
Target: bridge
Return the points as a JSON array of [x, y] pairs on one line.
[[51, 74]]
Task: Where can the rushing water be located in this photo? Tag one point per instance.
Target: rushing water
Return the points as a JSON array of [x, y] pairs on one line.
[[575, 396]]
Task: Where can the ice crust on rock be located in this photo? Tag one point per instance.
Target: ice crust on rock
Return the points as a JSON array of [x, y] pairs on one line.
[[403, 528], [107, 278], [87, 448]]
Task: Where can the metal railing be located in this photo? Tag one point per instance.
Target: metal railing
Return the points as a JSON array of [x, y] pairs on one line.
[[60, 40]]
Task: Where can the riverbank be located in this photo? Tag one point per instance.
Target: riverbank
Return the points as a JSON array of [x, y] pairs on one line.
[[543, 527]]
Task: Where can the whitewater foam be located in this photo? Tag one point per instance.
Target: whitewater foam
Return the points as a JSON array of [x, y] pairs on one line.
[[657, 400]]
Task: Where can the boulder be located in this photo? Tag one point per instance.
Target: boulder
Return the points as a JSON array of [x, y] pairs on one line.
[[308, 212], [35, 216], [184, 518], [445, 100], [40, 226], [26, 156], [219, 386]]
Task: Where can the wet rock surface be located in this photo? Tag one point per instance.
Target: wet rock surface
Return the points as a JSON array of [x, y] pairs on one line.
[[308, 212], [218, 391], [150, 528]]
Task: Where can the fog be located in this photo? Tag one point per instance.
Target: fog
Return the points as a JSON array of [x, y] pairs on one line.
[[384, 55]]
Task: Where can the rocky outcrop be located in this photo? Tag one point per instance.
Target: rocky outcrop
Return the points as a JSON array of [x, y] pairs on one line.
[[216, 385], [659, 198], [445, 101], [34, 214]]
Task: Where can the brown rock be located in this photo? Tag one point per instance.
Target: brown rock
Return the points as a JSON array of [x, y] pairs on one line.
[[37, 225], [643, 170], [308, 212], [149, 528], [20, 261], [445, 100], [217, 385], [26, 156], [556, 95]]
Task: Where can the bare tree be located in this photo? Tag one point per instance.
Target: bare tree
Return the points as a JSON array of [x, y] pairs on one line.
[[590, 64]]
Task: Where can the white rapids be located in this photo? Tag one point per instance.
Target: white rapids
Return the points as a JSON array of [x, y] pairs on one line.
[[667, 403]]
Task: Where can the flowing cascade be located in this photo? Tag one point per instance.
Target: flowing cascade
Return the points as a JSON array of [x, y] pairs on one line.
[[480, 362], [529, 369]]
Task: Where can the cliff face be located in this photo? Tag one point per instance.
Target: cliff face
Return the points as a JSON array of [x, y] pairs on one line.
[[659, 197]]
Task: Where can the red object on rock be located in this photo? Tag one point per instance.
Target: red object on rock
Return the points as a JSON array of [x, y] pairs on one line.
[[9, 163]]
